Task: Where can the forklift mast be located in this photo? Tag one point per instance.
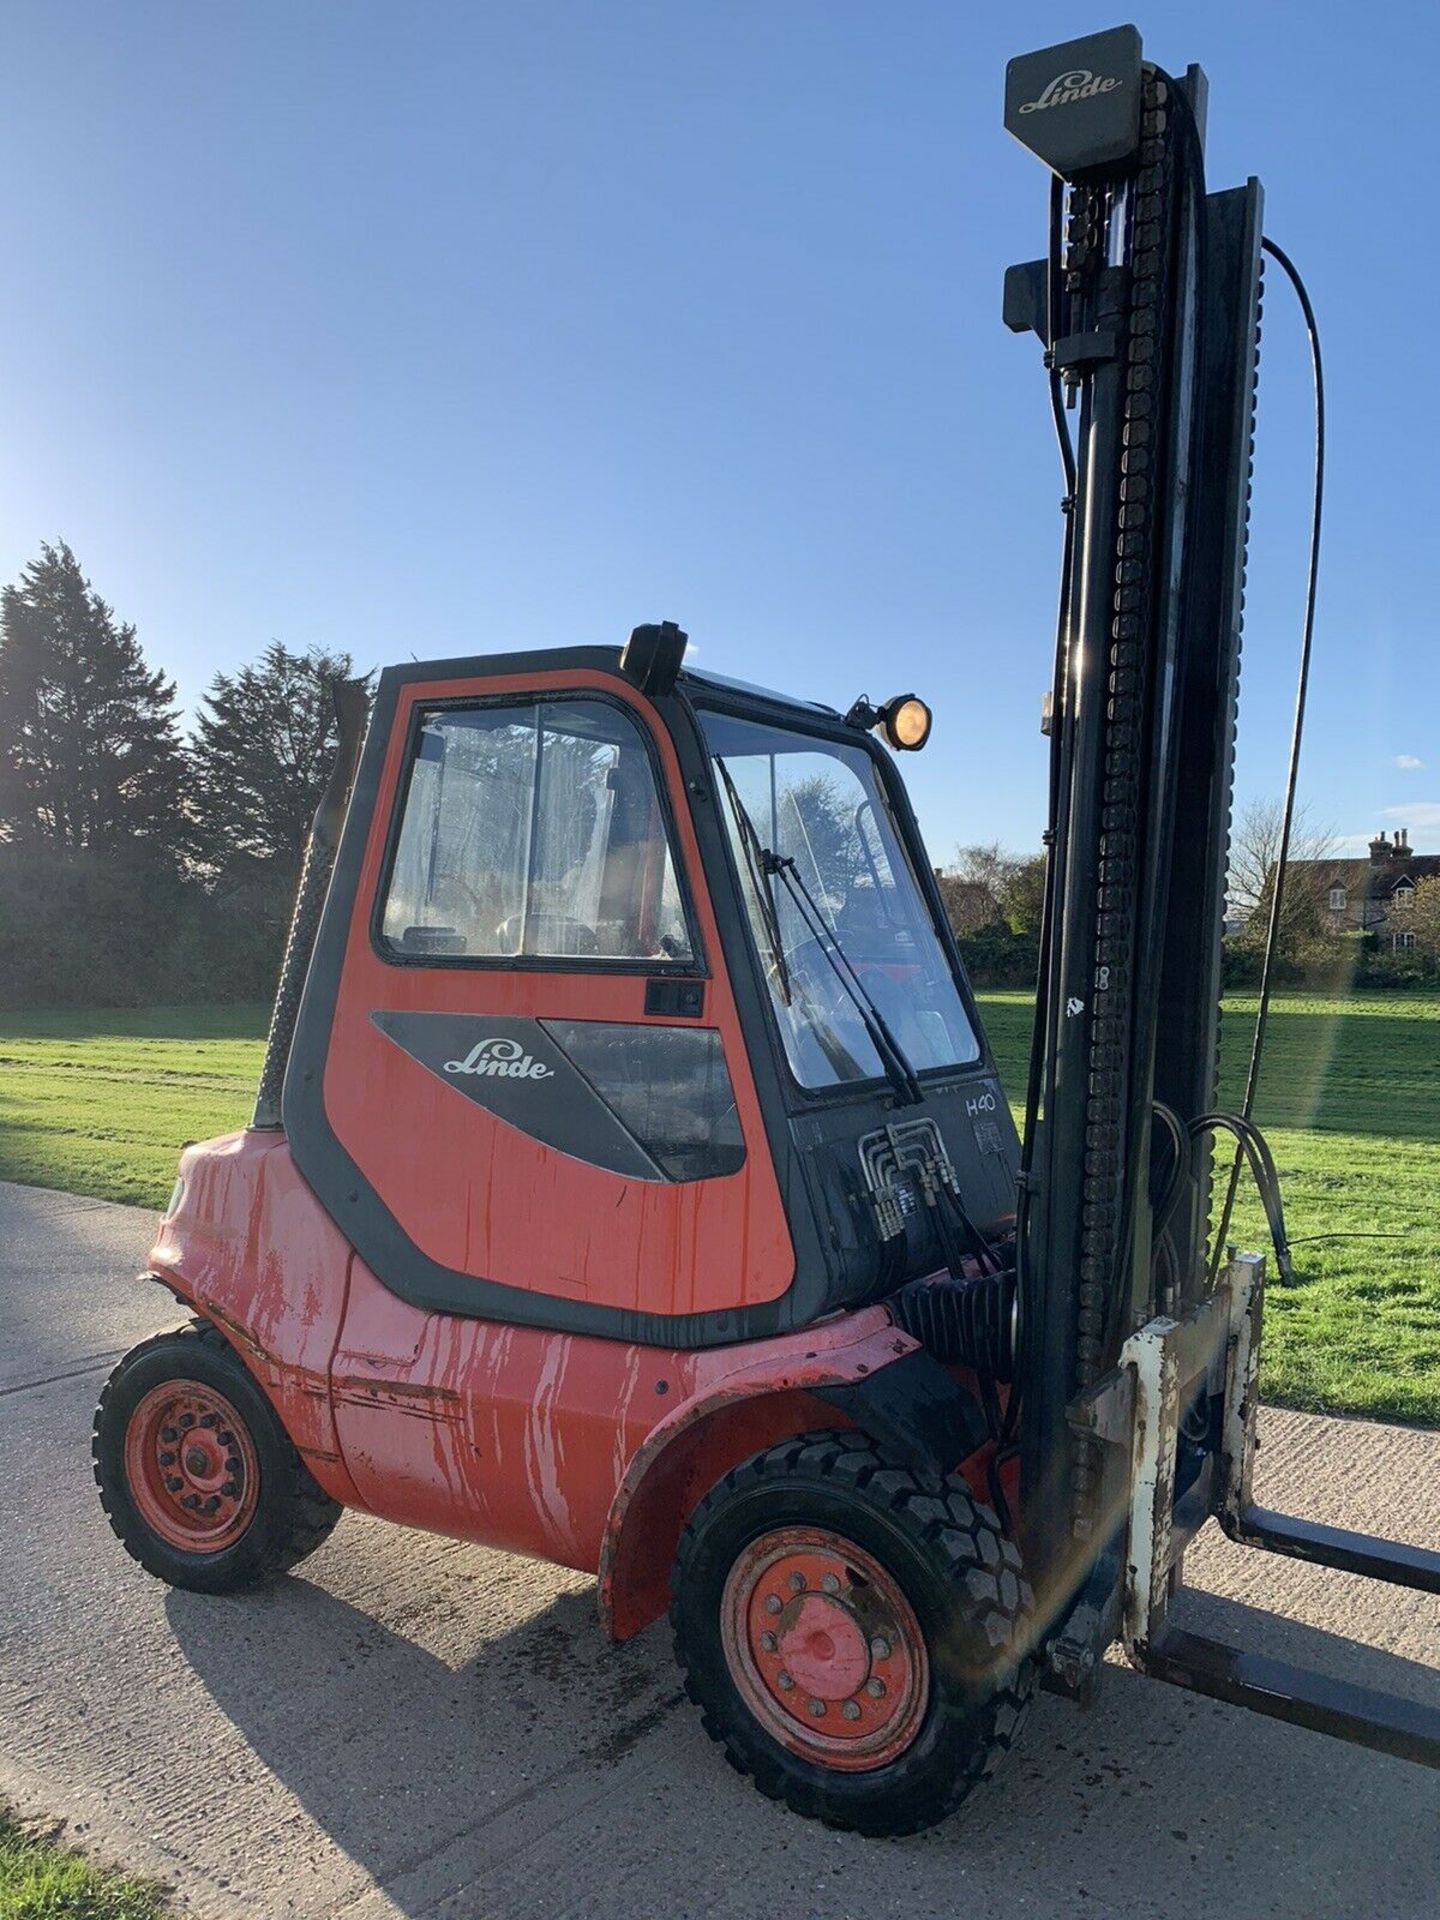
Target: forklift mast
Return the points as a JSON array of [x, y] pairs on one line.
[[1148, 306], [1137, 1374]]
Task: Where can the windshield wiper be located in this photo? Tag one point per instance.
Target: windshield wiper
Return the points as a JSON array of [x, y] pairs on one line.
[[755, 863], [898, 1069], [764, 867]]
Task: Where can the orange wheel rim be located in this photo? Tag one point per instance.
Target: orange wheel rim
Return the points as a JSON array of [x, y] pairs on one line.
[[191, 1468], [825, 1649]]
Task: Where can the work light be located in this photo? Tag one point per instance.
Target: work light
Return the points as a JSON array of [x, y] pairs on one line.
[[905, 719]]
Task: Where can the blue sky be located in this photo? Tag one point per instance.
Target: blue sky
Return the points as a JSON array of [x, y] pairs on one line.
[[436, 329]]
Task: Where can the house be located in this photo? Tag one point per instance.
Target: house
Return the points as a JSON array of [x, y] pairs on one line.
[[1373, 895]]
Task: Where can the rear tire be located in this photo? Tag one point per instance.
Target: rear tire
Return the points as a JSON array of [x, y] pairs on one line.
[[900, 1605], [199, 1481]]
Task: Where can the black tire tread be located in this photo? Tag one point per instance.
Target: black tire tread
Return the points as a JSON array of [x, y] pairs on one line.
[[306, 1512], [962, 1533]]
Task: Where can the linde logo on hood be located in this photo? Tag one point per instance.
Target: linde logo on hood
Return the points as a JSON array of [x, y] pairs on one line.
[[502, 1060], [1079, 84]]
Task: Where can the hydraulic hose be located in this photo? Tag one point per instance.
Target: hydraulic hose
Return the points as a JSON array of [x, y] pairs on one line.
[[1277, 891]]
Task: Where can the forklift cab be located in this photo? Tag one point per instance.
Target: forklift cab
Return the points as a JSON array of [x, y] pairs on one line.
[[634, 1010]]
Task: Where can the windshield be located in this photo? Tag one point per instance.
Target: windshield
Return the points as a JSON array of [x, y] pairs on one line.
[[794, 797]]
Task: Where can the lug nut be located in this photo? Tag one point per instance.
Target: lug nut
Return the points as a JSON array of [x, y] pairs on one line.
[[797, 1583], [230, 1489], [851, 1710], [173, 1482], [875, 1689], [187, 1420], [817, 1709], [225, 1437], [784, 1681], [191, 1500], [213, 1503], [209, 1419], [830, 1583], [232, 1463], [167, 1459], [168, 1434], [880, 1647], [773, 1603], [769, 1642]]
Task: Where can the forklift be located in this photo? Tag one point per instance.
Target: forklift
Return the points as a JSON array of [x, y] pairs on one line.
[[630, 1183]]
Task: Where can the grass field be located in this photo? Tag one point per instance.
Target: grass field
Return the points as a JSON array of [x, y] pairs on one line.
[[1350, 1102], [42, 1881], [101, 1102]]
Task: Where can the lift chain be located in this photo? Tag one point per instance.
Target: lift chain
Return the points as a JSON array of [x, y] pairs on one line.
[[1084, 235], [1132, 302]]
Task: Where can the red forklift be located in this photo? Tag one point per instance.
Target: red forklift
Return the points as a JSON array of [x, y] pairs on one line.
[[630, 1183]]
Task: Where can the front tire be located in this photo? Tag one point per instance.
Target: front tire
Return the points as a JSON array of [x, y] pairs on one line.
[[199, 1481], [856, 1634]]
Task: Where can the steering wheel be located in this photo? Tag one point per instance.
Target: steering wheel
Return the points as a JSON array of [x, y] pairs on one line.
[[818, 998], [579, 938]]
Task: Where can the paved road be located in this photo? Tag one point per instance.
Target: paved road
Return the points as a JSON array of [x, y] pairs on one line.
[[415, 1728]]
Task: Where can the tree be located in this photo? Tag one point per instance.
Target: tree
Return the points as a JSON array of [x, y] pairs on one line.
[[262, 749], [972, 889], [993, 901], [988, 887], [90, 756], [1424, 917], [818, 824], [1022, 897], [1310, 871]]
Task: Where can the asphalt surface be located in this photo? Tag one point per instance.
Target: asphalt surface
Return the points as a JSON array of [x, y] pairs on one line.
[[411, 1727]]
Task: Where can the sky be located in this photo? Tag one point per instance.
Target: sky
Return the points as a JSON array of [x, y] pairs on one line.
[[437, 329]]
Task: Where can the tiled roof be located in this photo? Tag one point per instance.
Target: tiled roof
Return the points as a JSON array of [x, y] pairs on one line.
[[1418, 867], [1374, 882]]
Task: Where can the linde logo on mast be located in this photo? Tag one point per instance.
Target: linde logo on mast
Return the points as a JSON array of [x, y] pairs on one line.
[[502, 1060], [1079, 84]]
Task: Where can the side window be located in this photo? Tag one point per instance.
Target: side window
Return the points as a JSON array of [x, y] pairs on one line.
[[534, 830], [668, 1086]]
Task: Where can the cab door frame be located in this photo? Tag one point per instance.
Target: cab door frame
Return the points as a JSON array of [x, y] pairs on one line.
[[345, 949]]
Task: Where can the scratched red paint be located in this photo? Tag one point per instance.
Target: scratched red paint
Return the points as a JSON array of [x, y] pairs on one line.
[[584, 1451], [256, 1254]]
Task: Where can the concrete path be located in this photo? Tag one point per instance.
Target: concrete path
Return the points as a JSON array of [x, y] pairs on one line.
[[410, 1727]]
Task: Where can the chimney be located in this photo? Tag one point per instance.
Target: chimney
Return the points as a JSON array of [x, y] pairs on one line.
[[1402, 843], [1379, 850]]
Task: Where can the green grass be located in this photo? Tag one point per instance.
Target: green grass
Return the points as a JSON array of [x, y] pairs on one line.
[[1350, 1101], [100, 1103], [42, 1881]]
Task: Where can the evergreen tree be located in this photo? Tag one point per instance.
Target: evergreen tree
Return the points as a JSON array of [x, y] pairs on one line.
[[262, 750], [90, 753]]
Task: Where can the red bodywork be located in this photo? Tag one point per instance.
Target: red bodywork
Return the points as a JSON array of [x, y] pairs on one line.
[[584, 1451], [483, 1198]]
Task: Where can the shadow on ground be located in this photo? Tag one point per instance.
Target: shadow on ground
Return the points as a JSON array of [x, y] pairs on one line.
[[445, 1781]]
